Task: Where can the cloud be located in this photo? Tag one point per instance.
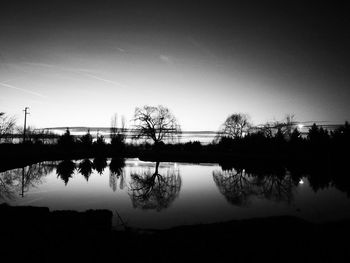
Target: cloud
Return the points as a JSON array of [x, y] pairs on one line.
[[166, 59], [23, 90], [40, 64], [103, 79], [79, 71], [121, 49]]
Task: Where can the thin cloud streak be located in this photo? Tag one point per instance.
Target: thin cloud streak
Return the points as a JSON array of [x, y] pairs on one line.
[[82, 72], [102, 79], [23, 90]]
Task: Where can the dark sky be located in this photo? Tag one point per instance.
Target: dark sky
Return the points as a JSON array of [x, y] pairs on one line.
[[203, 59]]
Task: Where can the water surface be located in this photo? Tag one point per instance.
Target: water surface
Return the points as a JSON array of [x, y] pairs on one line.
[[166, 194]]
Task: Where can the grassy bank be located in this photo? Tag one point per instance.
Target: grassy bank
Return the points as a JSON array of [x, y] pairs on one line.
[[37, 234]]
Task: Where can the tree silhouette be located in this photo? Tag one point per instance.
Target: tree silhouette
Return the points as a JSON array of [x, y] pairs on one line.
[[236, 125], [295, 136], [154, 191], [317, 135], [66, 140], [118, 135], [86, 139], [7, 125], [155, 123]]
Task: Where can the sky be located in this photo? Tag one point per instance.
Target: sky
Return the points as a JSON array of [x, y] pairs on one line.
[[76, 63]]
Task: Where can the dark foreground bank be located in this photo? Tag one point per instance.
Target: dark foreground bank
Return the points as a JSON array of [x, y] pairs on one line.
[[38, 235]]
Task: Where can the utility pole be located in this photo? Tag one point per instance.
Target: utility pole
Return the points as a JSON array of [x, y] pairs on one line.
[[25, 123]]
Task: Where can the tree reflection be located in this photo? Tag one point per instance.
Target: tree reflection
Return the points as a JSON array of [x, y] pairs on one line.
[[276, 187], [116, 169], [22, 179], [337, 175], [65, 170], [240, 185], [85, 168], [153, 190], [7, 185], [100, 163], [236, 185]]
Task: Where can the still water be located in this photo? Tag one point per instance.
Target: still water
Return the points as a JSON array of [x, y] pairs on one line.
[[167, 194]]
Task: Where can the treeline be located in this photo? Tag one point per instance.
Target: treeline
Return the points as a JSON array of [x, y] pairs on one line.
[[158, 131], [317, 140]]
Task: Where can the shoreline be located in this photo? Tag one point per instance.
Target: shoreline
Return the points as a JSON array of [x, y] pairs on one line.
[[67, 235], [18, 156]]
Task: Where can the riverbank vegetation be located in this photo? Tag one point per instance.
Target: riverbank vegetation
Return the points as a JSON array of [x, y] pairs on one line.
[[155, 136]]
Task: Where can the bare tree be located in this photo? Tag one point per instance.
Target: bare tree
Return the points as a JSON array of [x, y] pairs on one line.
[[155, 123], [7, 125], [268, 130], [236, 125], [286, 125], [118, 135], [114, 125]]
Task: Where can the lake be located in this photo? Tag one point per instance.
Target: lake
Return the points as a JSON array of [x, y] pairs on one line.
[[167, 194]]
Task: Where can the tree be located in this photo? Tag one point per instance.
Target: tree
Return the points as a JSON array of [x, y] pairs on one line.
[[236, 125], [317, 135], [66, 140], [86, 139], [118, 135], [7, 124], [155, 123], [100, 141], [268, 130], [288, 124], [295, 137]]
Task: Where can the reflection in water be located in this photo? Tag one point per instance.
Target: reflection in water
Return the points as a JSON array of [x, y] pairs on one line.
[[65, 170], [239, 185], [22, 179], [6, 185], [322, 177], [154, 187], [236, 185], [100, 163], [85, 168], [153, 190], [116, 172], [276, 187]]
